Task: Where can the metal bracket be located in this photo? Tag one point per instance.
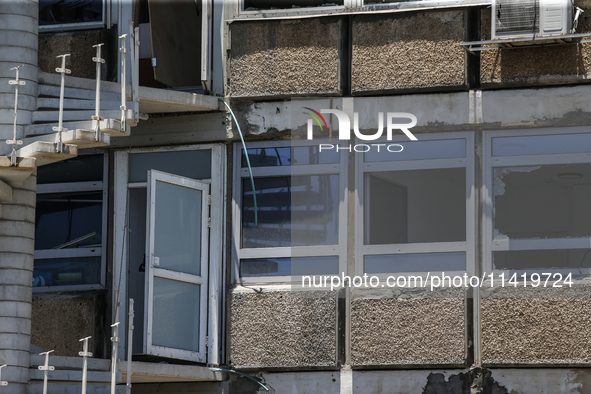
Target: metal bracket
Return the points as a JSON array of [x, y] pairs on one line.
[[2, 382]]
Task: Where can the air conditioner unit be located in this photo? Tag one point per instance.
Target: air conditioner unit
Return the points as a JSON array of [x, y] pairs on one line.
[[531, 18]]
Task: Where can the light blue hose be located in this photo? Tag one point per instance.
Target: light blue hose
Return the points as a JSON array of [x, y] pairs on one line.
[[241, 374], [254, 194]]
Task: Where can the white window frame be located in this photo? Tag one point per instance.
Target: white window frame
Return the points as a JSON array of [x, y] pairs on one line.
[[216, 239], [468, 246], [339, 250], [79, 252], [80, 25], [490, 162]]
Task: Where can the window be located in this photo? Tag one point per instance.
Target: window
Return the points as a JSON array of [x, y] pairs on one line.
[[70, 223], [251, 5], [300, 222], [539, 210], [170, 199], [71, 14], [417, 207]]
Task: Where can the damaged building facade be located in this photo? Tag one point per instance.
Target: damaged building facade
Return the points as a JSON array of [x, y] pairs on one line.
[[152, 196]]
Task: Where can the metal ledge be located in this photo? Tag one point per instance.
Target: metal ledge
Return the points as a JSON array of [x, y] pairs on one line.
[[525, 42]]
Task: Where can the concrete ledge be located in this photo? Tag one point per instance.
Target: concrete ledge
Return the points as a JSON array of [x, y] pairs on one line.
[[155, 372]]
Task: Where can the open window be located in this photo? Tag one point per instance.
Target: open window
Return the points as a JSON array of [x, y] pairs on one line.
[[171, 200], [180, 36], [176, 280]]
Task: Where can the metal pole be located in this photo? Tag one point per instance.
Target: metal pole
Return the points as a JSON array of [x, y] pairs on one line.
[[115, 340], [14, 142], [45, 368], [62, 70], [123, 51], [2, 382], [130, 343], [97, 107], [85, 354]]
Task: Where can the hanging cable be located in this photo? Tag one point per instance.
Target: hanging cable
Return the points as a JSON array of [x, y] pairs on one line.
[[254, 194], [241, 374]]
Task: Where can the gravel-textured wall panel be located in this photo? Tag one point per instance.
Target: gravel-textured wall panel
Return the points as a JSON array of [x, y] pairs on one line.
[[408, 51], [537, 65], [290, 57], [537, 326], [275, 329], [80, 314], [408, 328]]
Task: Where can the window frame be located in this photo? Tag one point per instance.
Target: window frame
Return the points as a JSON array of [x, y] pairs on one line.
[[217, 241], [468, 246], [238, 253], [353, 7], [80, 252], [490, 162], [81, 25]]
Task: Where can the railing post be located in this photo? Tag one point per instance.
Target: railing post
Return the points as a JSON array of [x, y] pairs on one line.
[[2, 382], [62, 70], [115, 340], [85, 354], [14, 142], [97, 108], [123, 51], [131, 314], [45, 368]]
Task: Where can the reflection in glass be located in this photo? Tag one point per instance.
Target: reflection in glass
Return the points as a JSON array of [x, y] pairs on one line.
[[287, 156], [418, 150], [67, 271], [541, 144], [292, 211], [61, 218], [52, 12], [287, 266]]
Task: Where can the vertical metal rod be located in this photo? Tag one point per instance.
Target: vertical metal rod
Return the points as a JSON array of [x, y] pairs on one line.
[[62, 70], [130, 343], [477, 329], [85, 354], [14, 142], [115, 340], [2, 382], [97, 107], [45, 368], [123, 51]]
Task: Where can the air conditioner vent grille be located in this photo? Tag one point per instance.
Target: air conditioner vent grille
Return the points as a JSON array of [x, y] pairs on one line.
[[517, 16]]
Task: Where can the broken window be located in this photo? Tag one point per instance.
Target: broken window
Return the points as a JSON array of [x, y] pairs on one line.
[[415, 207], [541, 188], [295, 228], [59, 12], [69, 223]]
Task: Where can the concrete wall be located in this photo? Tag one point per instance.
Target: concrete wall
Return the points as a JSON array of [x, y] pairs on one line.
[[289, 57], [408, 327], [79, 45], [535, 326], [17, 231], [538, 65], [281, 329], [60, 320], [408, 50]]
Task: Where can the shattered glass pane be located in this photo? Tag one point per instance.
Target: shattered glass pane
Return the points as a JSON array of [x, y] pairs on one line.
[[550, 201]]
